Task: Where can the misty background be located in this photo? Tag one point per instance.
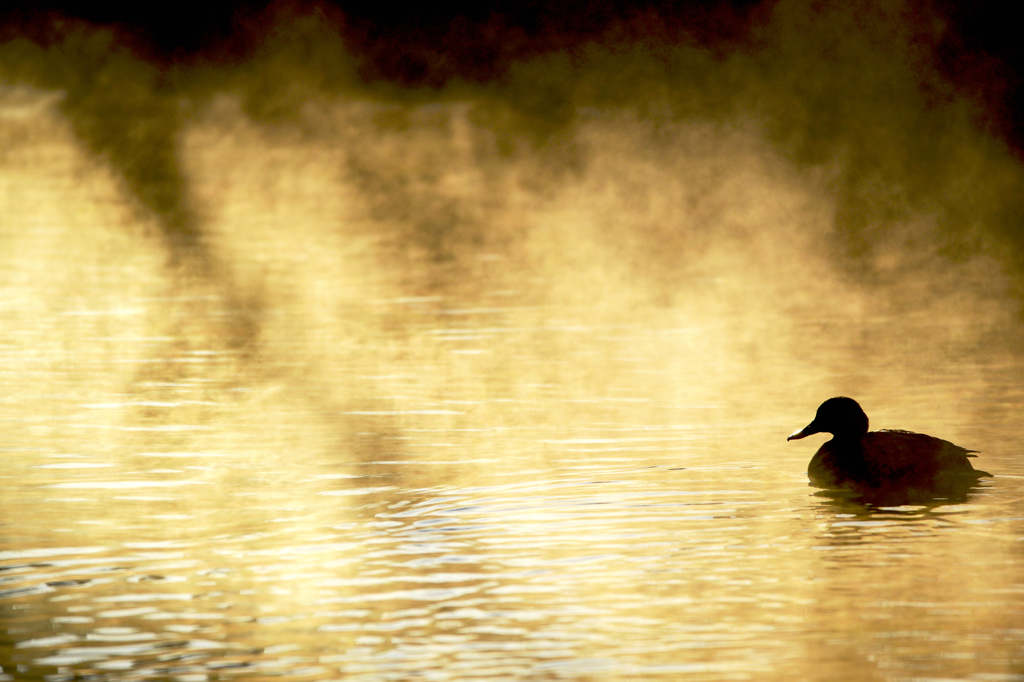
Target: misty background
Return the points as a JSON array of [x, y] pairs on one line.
[[341, 343], [826, 195]]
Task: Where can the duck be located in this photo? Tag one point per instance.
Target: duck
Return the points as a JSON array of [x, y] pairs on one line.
[[892, 464]]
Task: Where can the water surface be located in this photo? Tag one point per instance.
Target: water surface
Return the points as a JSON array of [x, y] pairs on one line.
[[348, 444]]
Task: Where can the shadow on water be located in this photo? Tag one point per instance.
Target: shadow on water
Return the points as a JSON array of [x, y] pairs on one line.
[[889, 501]]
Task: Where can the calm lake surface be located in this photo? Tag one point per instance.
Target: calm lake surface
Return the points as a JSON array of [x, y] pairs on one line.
[[322, 455]]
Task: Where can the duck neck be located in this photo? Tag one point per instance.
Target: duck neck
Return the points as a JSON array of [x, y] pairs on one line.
[[849, 435]]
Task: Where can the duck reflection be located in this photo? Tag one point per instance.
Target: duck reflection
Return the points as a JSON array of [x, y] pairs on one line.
[[887, 467]]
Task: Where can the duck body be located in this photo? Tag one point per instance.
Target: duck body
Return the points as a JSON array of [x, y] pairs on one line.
[[890, 458], [892, 464]]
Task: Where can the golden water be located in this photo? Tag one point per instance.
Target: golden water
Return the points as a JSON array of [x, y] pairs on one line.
[[417, 410]]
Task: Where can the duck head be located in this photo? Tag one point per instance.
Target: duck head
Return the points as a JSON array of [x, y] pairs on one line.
[[842, 417]]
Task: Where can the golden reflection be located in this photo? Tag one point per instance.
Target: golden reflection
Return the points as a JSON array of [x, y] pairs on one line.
[[367, 384]]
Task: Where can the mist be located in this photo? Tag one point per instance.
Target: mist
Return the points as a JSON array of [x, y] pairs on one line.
[[464, 350], [807, 194]]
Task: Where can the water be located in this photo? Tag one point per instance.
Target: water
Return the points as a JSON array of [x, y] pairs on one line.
[[582, 542], [593, 567], [326, 457]]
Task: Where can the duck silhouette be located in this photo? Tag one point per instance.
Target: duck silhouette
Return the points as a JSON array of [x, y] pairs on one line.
[[893, 466]]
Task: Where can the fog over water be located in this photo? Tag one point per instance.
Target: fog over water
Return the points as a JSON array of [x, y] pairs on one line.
[[317, 374]]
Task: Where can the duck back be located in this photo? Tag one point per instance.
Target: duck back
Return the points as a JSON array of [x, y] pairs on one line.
[[881, 459]]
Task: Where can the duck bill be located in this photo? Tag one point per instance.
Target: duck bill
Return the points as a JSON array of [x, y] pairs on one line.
[[808, 430]]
